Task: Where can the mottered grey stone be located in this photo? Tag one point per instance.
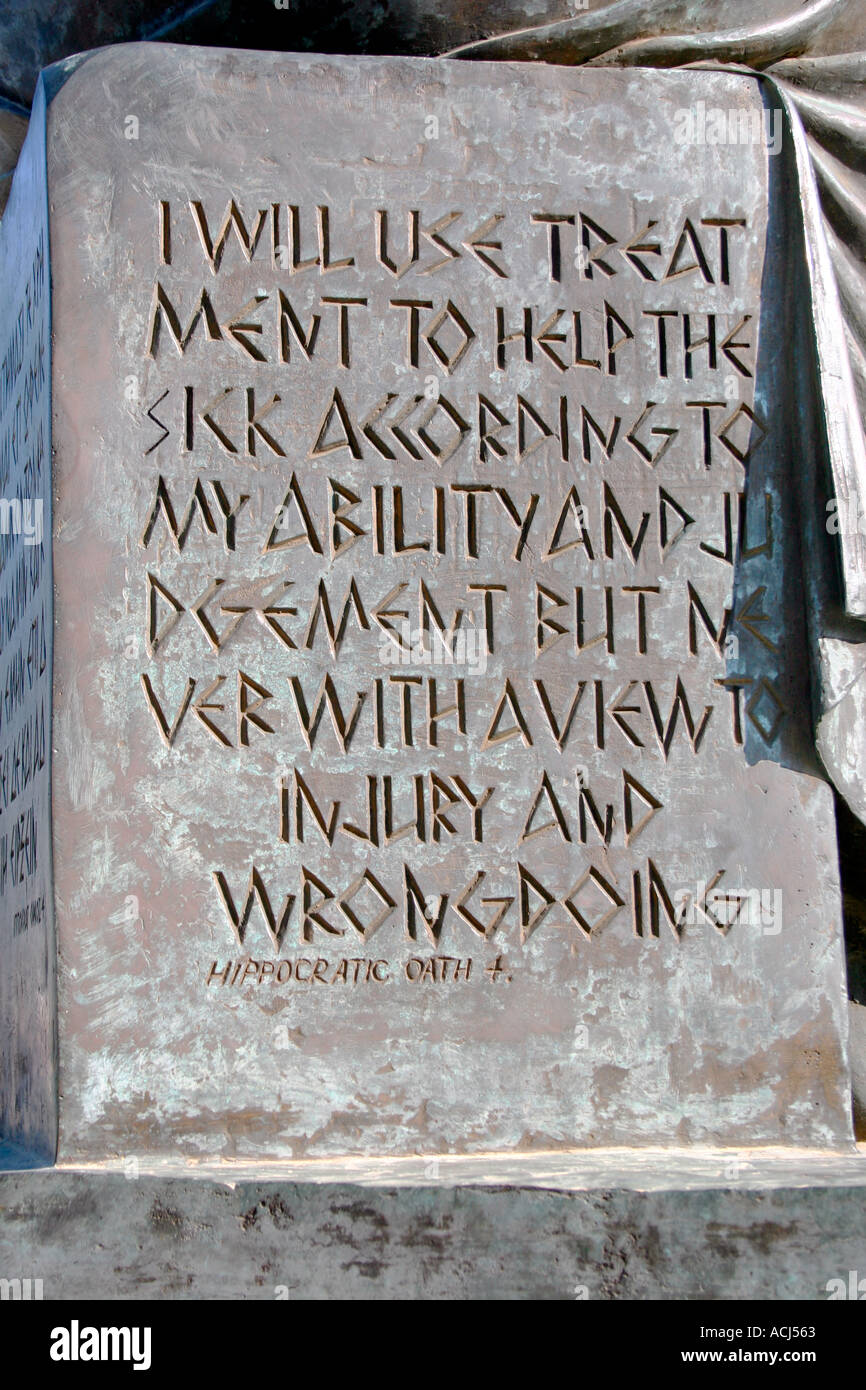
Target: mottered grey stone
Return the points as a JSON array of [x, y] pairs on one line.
[[349, 349]]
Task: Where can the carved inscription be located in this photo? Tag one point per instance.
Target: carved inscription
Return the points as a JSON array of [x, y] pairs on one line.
[[489, 603]]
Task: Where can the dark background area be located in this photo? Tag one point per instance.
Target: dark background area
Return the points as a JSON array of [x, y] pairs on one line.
[[34, 33]]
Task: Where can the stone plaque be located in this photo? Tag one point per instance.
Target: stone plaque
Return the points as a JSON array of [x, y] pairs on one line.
[[433, 767]]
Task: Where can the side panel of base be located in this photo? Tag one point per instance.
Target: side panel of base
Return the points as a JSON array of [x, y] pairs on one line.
[[28, 991]]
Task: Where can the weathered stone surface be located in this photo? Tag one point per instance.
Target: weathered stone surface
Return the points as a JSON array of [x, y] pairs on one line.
[[28, 1040], [857, 1036], [580, 1036], [679, 1228], [520, 425]]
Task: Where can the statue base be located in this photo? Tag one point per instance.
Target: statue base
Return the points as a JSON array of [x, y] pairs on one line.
[[604, 1225]]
